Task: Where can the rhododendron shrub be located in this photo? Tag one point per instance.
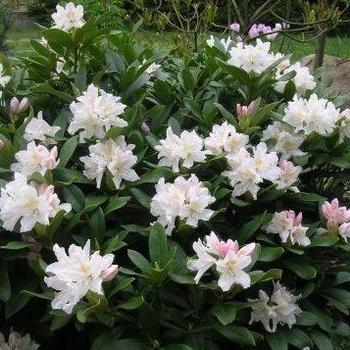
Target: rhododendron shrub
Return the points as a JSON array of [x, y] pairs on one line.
[[153, 201]]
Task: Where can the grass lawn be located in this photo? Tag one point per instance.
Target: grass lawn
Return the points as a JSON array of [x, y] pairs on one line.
[[18, 40]]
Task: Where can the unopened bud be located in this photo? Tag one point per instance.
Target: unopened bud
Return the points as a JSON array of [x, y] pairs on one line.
[[14, 106], [244, 111], [145, 128], [2, 144], [23, 105], [110, 273]]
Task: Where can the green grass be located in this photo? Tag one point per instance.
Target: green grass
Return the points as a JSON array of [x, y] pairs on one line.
[[19, 41]]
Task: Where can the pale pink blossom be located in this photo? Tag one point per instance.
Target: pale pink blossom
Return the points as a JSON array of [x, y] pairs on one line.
[[334, 214]]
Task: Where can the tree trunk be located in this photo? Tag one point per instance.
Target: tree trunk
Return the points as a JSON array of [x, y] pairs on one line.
[[320, 48]]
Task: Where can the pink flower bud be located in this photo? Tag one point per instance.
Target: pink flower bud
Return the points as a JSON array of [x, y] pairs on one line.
[[145, 128], [14, 106], [235, 27], [245, 111], [2, 144], [109, 273], [24, 104]]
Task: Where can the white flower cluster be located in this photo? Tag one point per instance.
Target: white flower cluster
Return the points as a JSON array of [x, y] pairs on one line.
[[253, 58], [95, 113], [184, 199], [279, 308], [28, 203], [68, 17], [112, 155], [38, 129], [313, 115], [186, 148], [287, 141], [229, 259], [303, 79], [225, 138], [76, 273], [35, 159], [248, 170], [225, 43], [288, 226], [4, 79], [344, 125], [17, 342]]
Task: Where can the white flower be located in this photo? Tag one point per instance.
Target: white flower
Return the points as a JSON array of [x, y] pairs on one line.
[[231, 268], [303, 79], [344, 125], [344, 231], [248, 171], [61, 62], [75, 274], [69, 17], [289, 174], [39, 129], [225, 138], [226, 256], [313, 115], [4, 79], [187, 148], [185, 199], [35, 159], [288, 226], [29, 204], [211, 41], [17, 342], [152, 68], [274, 32], [252, 58], [288, 143], [280, 308], [114, 156], [95, 113]]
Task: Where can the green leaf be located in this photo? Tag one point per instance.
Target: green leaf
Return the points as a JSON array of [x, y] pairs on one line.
[[307, 319], [139, 260], [115, 203], [298, 338], [269, 254], [97, 224], [236, 334], [108, 341], [301, 269], [153, 176], [177, 347], [141, 197], [132, 304], [321, 340], [121, 285], [67, 150], [5, 288], [75, 197], [225, 313], [248, 229], [7, 153], [92, 202], [324, 241], [14, 245], [277, 341], [158, 245]]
